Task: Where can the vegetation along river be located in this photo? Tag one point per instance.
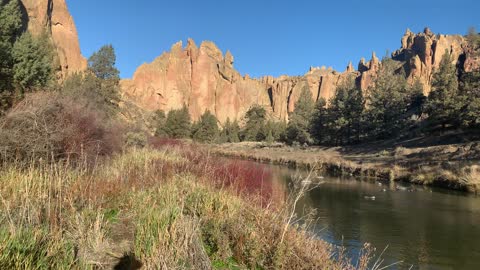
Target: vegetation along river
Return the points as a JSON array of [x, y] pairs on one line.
[[422, 227]]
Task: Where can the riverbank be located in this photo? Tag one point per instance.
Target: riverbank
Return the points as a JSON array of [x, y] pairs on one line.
[[173, 207], [453, 166]]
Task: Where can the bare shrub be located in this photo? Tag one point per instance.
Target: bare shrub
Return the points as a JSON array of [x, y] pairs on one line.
[[48, 126]]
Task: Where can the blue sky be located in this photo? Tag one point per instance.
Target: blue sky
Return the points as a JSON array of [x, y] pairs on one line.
[[266, 37]]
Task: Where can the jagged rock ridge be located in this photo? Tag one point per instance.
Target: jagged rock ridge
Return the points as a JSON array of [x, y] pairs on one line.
[[203, 78]]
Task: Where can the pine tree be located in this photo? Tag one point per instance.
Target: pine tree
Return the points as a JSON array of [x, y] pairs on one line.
[[234, 131], [298, 129], [33, 62], [417, 100], [206, 129], [11, 25], [102, 63], [11, 28], [254, 129], [387, 102], [345, 113], [443, 104], [177, 124], [105, 76], [473, 38], [230, 132], [159, 120], [318, 124], [470, 97], [270, 138]]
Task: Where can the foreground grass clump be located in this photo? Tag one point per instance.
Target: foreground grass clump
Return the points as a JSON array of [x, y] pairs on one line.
[[155, 209]]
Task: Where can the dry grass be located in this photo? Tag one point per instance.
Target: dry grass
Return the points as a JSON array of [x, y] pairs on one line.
[[161, 208]]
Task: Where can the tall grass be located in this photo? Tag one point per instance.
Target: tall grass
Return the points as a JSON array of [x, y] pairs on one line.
[[170, 208]]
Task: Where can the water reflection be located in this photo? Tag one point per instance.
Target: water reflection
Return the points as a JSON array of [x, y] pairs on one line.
[[426, 228]]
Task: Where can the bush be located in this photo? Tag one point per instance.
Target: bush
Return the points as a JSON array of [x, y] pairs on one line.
[[206, 129], [49, 126], [136, 139]]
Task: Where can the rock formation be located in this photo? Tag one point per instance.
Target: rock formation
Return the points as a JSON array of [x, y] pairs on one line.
[[423, 52], [203, 78], [199, 77], [53, 16]]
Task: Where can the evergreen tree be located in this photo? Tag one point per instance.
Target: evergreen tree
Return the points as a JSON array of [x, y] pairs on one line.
[[177, 124], [276, 129], [233, 133], [470, 97], [387, 102], [11, 25], [33, 61], [159, 119], [230, 132], [270, 138], [473, 38], [11, 28], [298, 129], [254, 129], [206, 129], [417, 100], [101, 82], [344, 116], [102, 64], [443, 104], [318, 124]]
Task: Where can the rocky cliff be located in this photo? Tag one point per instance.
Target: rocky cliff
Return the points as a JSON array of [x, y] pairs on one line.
[[423, 52], [204, 79], [200, 77], [53, 16]]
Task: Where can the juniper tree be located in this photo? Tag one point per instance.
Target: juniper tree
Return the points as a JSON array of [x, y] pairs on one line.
[[470, 97], [230, 132], [387, 102], [159, 119], [298, 129], [254, 129], [206, 128], [318, 124], [178, 123], [443, 104], [33, 61], [10, 30]]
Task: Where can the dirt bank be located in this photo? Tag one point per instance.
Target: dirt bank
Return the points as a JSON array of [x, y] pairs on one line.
[[452, 166]]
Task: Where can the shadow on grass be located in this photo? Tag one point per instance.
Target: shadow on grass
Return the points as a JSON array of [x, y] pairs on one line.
[[128, 262]]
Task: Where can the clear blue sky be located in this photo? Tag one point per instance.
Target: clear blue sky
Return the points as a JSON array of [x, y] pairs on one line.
[[266, 37]]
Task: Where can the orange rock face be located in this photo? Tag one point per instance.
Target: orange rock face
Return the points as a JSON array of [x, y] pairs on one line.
[[423, 53], [204, 79], [199, 77], [53, 16]]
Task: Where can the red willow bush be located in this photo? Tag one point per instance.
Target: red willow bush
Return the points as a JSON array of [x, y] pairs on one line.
[[246, 178], [157, 142]]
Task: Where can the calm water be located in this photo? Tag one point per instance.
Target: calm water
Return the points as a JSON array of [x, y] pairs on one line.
[[429, 229]]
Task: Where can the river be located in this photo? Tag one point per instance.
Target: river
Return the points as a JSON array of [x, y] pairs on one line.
[[423, 228]]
